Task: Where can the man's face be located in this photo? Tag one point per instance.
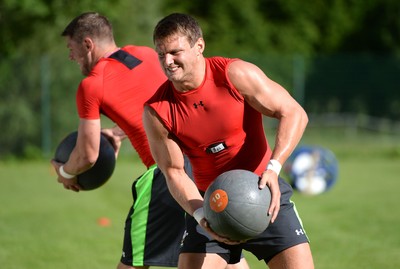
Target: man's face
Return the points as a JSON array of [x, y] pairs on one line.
[[177, 58], [80, 54]]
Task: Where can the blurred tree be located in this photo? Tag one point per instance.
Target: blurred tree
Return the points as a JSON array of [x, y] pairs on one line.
[[18, 20], [291, 26], [267, 32], [376, 28], [30, 30]]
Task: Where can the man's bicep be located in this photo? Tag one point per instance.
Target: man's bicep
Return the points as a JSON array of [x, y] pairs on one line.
[[262, 93], [89, 136], [165, 150]]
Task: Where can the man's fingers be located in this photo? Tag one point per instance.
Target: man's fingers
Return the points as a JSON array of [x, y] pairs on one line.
[[262, 183], [274, 209], [72, 188]]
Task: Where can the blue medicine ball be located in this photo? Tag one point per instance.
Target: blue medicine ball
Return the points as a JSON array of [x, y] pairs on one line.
[[311, 169]]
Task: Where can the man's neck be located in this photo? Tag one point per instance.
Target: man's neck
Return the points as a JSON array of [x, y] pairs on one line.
[[110, 51], [196, 78]]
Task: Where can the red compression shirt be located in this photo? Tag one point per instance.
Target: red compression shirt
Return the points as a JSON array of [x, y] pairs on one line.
[[215, 127], [117, 87]]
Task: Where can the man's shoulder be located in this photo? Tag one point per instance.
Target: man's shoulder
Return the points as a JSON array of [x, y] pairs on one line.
[[138, 50], [217, 68], [219, 61], [163, 94], [93, 80]]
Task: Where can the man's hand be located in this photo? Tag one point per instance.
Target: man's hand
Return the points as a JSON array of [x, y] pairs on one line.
[[270, 178], [115, 135], [206, 226], [69, 183]]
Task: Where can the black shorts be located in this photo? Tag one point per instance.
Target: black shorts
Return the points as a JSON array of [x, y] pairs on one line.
[[285, 232], [155, 223]]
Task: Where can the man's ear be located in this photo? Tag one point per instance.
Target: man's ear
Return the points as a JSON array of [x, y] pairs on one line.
[[88, 43], [200, 44]]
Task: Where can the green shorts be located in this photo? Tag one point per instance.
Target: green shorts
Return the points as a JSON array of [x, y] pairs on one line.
[[155, 224]]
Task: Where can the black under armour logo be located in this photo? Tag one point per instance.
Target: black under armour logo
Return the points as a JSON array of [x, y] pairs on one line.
[[199, 104]]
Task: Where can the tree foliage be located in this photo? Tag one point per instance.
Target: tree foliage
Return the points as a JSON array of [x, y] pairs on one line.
[[270, 33], [291, 26]]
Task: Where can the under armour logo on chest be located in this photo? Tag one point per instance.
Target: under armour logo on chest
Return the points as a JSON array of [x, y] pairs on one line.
[[196, 105]]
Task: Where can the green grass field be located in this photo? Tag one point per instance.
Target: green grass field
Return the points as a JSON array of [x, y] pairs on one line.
[[355, 225]]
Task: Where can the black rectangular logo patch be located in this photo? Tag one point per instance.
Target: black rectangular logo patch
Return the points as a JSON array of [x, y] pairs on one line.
[[216, 147]]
